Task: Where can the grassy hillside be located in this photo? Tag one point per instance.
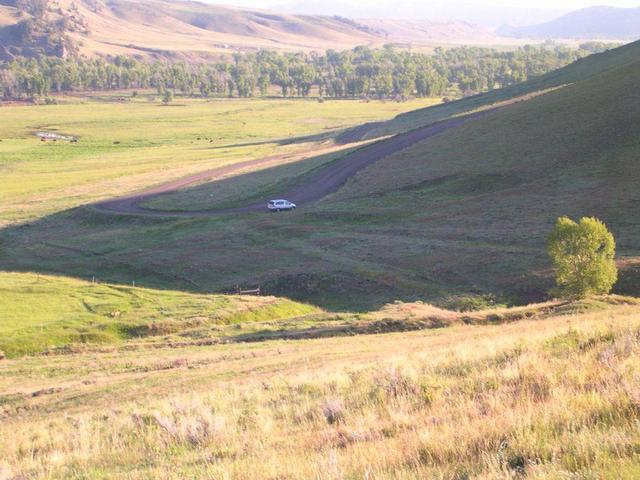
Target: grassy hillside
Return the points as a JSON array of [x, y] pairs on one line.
[[43, 312], [554, 398], [197, 30], [420, 31], [579, 71], [465, 214]]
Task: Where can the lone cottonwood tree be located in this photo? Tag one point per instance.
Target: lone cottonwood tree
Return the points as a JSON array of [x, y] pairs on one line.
[[583, 254]]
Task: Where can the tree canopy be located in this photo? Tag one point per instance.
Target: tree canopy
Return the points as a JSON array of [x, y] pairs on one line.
[[583, 254], [381, 73]]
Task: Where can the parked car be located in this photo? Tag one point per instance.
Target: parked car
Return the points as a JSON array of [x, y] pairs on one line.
[[278, 205]]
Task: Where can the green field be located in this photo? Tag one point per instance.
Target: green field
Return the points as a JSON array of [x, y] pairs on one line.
[[41, 313], [55, 315], [466, 213], [123, 147], [393, 308]]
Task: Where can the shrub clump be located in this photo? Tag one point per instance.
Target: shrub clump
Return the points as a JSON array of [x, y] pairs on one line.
[[333, 411]]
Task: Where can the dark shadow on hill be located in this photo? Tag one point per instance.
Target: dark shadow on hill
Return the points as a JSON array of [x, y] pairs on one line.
[[311, 255], [211, 255]]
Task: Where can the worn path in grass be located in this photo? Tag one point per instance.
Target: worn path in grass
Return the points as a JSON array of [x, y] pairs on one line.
[[318, 186]]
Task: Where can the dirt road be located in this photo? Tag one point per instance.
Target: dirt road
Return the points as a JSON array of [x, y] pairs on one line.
[[325, 182]]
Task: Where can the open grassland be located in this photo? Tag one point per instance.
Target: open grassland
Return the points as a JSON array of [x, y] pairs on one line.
[[56, 315], [465, 213], [542, 398], [123, 147], [42, 313]]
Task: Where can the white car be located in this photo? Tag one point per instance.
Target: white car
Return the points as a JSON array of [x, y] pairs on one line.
[[278, 205]]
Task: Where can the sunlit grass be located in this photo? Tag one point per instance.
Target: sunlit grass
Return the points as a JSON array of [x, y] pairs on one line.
[[41, 313], [553, 398], [127, 146]]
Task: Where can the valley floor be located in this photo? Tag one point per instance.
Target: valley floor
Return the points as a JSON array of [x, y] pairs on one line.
[[548, 397]]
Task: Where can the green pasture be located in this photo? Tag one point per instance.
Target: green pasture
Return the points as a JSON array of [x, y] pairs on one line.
[[125, 146], [41, 312], [465, 213]]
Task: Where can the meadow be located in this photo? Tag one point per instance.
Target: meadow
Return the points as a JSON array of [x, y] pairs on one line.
[[42, 313], [554, 396], [126, 143], [463, 214], [361, 359]]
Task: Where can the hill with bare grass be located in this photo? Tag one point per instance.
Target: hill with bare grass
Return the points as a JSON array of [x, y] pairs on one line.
[[545, 397], [186, 29], [198, 31], [429, 32], [598, 22]]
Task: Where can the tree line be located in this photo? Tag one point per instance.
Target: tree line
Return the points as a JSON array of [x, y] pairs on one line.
[[362, 71]]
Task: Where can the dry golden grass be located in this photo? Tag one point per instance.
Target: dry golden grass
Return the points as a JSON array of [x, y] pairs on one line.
[[198, 29], [551, 398], [8, 15]]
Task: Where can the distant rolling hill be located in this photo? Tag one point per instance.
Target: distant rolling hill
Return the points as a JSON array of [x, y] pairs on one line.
[[194, 30], [427, 32], [185, 28], [476, 13], [589, 23]]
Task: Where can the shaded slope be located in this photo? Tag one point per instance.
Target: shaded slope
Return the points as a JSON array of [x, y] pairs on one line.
[[504, 180]]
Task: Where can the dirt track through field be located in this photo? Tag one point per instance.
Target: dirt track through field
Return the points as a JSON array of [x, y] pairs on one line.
[[323, 183]]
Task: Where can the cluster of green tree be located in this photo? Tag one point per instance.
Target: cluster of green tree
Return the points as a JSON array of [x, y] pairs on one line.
[[382, 73], [583, 255]]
